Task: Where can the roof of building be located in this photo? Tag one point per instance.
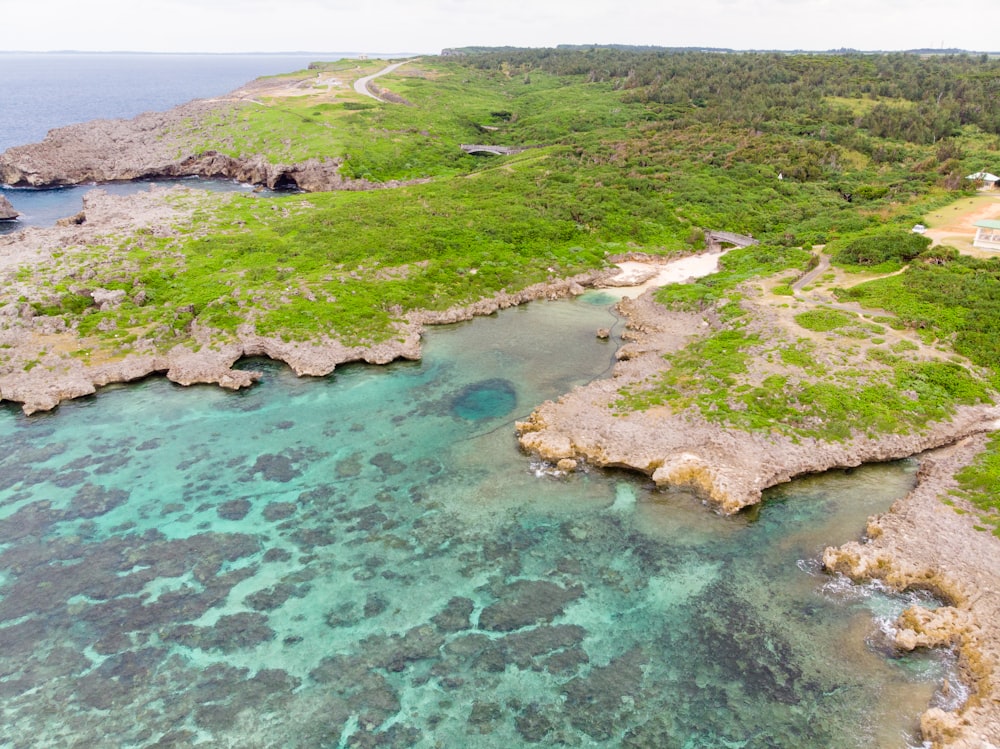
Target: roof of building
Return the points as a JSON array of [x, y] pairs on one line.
[[984, 176], [988, 224]]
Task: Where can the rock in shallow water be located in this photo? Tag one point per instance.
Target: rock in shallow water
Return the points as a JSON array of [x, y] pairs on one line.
[[7, 212], [455, 616], [527, 602]]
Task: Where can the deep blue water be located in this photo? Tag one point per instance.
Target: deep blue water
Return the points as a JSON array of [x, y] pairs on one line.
[[367, 559]]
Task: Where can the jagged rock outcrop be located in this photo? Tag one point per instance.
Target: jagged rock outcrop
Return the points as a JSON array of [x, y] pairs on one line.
[[923, 543], [7, 212], [38, 372]]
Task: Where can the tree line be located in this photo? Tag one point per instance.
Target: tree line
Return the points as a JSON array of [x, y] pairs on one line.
[[913, 98]]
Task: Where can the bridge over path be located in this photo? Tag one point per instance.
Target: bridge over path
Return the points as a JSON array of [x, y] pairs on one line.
[[496, 150], [714, 239]]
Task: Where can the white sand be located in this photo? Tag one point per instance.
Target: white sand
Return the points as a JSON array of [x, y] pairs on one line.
[[637, 277]]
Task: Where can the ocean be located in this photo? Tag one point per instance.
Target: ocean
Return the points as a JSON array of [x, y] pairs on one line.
[[47, 90], [367, 559]]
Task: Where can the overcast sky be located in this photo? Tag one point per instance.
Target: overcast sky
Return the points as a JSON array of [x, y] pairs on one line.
[[427, 26]]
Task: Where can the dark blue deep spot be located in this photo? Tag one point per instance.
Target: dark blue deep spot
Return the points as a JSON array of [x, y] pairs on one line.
[[486, 399]]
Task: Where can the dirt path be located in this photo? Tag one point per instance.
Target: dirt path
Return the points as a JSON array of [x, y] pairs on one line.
[[361, 85]]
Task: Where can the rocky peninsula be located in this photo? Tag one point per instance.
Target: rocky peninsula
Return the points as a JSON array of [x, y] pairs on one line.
[[166, 145], [729, 467]]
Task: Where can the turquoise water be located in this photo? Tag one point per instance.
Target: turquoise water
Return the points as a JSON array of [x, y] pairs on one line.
[[368, 560]]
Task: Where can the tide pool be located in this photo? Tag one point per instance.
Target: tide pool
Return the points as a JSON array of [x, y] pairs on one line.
[[44, 207], [367, 559]]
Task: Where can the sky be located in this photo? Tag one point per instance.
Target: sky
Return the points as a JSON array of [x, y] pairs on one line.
[[428, 26]]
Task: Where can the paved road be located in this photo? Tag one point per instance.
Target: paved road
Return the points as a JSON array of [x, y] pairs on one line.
[[361, 85], [808, 278]]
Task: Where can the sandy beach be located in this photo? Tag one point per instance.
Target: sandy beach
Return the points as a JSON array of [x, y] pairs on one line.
[[638, 276]]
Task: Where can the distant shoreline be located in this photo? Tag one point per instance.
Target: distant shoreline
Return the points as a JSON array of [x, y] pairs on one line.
[[289, 53], [924, 51]]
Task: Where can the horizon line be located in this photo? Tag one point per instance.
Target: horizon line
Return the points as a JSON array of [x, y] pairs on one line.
[[157, 52], [610, 45]]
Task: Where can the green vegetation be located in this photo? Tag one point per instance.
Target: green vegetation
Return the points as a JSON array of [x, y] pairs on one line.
[[884, 252], [736, 267], [956, 301], [979, 483], [709, 133], [633, 151], [801, 355], [715, 376], [349, 265], [824, 320]]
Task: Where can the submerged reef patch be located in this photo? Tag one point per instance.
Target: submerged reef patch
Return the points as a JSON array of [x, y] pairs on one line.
[[488, 399]]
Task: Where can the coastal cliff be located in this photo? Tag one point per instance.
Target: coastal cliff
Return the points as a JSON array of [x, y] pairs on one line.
[[154, 146], [172, 144]]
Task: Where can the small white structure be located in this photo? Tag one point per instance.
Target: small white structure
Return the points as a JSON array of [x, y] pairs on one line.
[[987, 235], [988, 180]]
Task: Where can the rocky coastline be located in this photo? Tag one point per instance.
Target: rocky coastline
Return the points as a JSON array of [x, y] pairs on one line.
[[39, 371], [156, 145], [922, 542], [729, 467]]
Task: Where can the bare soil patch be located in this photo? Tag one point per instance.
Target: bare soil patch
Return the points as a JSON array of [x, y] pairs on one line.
[[954, 225]]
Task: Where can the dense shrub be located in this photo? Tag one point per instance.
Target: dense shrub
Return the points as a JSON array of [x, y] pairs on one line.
[[874, 250]]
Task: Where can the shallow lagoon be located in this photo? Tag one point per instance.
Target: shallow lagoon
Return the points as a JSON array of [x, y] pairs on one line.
[[368, 560]]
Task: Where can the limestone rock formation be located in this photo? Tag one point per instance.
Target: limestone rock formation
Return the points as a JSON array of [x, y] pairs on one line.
[[40, 376], [107, 299], [154, 145], [7, 212], [918, 627], [923, 543]]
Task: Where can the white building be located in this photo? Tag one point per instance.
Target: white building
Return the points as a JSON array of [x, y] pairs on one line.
[[987, 235], [988, 180]]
